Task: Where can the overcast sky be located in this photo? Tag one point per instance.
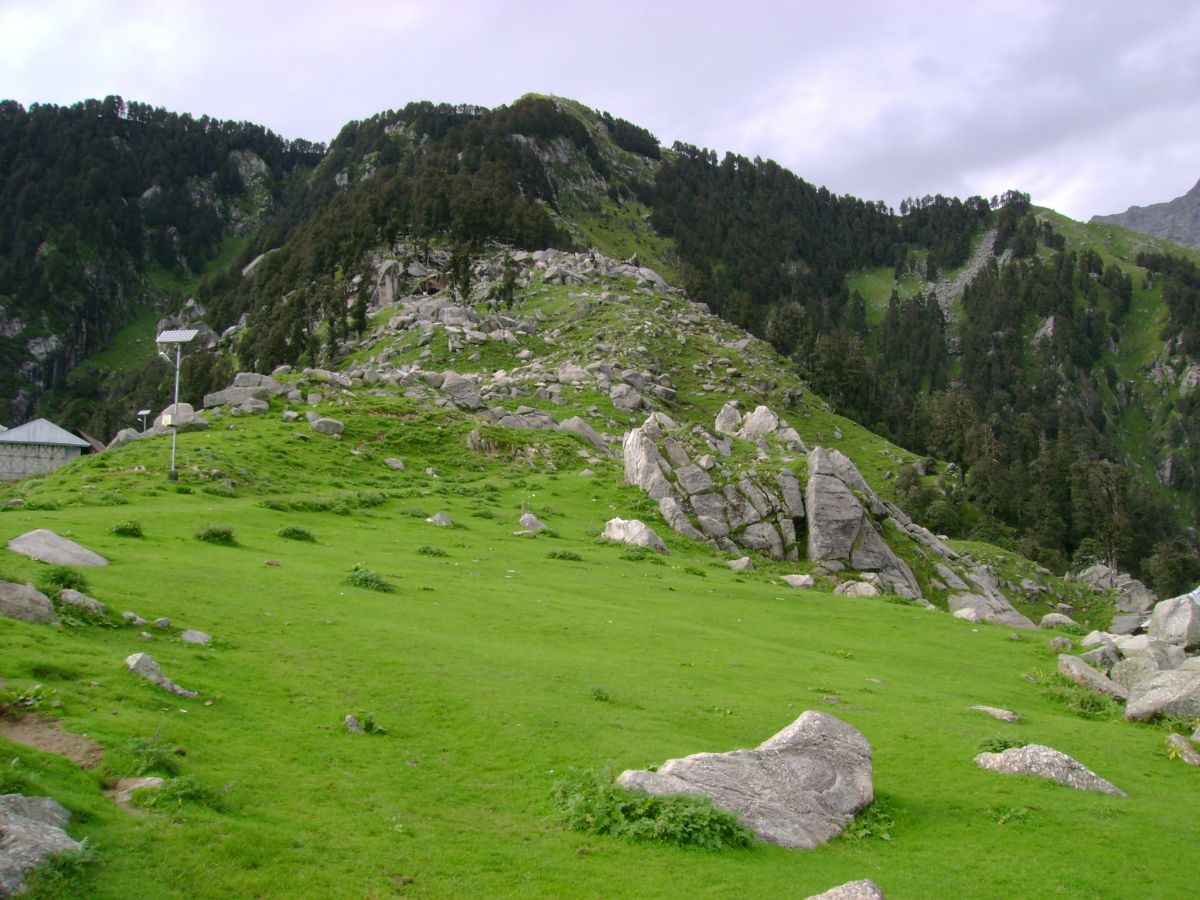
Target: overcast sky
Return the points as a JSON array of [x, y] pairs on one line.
[[1089, 105]]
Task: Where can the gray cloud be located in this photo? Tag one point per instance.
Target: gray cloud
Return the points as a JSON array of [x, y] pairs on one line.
[[1089, 106]]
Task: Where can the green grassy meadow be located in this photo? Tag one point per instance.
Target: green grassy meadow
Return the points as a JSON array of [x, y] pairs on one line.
[[484, 667]]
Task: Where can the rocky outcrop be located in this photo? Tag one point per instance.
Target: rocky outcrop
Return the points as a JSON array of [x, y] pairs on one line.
[[797, 789], [1046, 762], [1172, 693], [841, 530]]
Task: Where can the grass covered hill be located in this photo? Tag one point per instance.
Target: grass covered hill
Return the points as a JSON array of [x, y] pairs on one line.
[[489, 663]]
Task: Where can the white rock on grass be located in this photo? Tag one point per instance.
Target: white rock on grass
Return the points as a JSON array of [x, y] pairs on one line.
[[532, 522], [26, 603], [44, 545], [635, 532], [1085, 676], [192, 636], [1174, 693], [996, 712], [863, 889], [441, 520], [143, 664], [1177, 621], [744, 564], [68, 597], [1046, 762], [31, 829], [800, 582], [797, 789]]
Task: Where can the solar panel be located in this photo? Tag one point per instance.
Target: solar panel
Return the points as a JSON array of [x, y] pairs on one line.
[[178, 336]]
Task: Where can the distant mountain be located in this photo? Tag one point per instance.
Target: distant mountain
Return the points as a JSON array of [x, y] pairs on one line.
[[1178, 220]]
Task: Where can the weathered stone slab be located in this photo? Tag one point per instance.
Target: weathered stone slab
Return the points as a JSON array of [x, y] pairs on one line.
[[44, 545], [1046, 762]]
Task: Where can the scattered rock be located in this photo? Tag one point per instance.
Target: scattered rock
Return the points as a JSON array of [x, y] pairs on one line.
[[744, 564], [1181, 747], [1046, 762], [68, 597], [1060, 644], [856, 589], [635, 532], [863, 889], [46, 546], [143, 664], [1057, 620], [31, 829], [532, 522], [132, 618], [26, 603], [162, 623], [800, 582], [798, 789], [353, 725], [1177, 621], [121, 793], [1174, 693], [441, 520], [1085, 676], [326, 425], [192, 636], [1004, 715], [392, 463]]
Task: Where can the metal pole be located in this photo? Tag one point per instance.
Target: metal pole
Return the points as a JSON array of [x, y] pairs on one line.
[[175, 414]]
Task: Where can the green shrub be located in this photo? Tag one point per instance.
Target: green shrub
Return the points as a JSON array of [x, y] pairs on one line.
[[296, 533], [16, 704], [110, 498], [1084, 703], [127, 528], [568, 555], [56, 578], [216, 534], [590, 802], [998, 744], [600, 694], [873, 822], [217, 489], [431, 551], [63, 874], [146, 755], [178, 791], [372, 581]]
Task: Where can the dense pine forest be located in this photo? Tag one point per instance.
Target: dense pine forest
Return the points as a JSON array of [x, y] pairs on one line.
[[1009, 387]]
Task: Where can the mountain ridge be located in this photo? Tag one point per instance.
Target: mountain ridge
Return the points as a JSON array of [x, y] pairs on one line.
[[1176, 220]]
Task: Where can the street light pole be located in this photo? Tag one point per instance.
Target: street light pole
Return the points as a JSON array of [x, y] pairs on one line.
[[178, 337]]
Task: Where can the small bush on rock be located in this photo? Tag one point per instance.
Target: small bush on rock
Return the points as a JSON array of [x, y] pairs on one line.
[[592, 803]]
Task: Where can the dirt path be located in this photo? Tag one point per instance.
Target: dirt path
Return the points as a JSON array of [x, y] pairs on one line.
[[47, 734]]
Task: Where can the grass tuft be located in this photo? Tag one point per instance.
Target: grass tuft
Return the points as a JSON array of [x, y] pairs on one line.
[[296, 533], [361, 577], [127, 528]]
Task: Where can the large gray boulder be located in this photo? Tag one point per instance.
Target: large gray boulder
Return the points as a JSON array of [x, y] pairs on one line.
[[26, 603], [31, 829], [1175, 693], [79, 600], [462, 391], [988, 609], [143, 665], [1046, 762], [797, 789], [1085, 676], [633, 531], [1177, 621], [580, 428], [44, 545], [863, 889]]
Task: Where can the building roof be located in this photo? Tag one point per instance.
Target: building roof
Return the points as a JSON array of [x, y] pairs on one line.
[[41, 431]]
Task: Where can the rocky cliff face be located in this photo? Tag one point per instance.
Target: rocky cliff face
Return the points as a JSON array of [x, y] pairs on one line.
[[1177, 220]]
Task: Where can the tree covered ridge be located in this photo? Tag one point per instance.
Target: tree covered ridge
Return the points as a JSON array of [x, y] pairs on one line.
[[90, 196]]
